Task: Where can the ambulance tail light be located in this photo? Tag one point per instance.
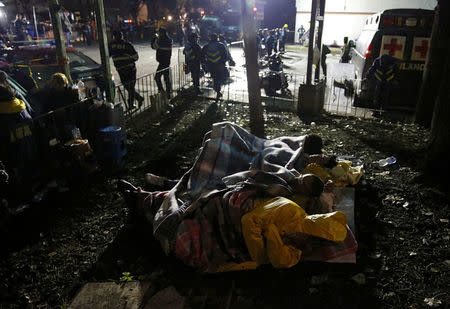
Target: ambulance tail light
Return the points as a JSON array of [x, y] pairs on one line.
[[388, 21], [368, 51]]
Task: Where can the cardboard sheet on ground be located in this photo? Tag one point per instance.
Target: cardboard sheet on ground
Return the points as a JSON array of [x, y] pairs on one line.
[[344, 252]]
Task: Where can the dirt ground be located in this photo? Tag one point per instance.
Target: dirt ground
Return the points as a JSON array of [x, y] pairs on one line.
[[85, 235]]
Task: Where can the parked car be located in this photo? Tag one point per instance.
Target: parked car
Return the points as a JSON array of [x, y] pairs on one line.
[[32, 66], [405, 35]]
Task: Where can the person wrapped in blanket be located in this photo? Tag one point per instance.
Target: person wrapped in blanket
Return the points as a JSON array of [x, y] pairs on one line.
[[244, 203]]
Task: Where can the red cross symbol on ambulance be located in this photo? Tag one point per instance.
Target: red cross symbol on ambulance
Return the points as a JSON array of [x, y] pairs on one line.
[[393, 45], [420, 49]]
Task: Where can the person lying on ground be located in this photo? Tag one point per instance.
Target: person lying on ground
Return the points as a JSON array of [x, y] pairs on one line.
[[199, 219], [261, 220]]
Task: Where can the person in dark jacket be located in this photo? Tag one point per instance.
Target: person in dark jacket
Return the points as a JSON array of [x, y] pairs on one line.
[[345, 58], [15, 129], [193, 56], [215, 56], [323, 58], [56, 94], [163, 45], [270, 41], [124, 56], [382, 74]]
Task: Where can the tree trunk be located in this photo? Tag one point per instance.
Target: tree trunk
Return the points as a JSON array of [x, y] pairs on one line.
[[434, 64], [251, 62], [437, 158], [104, 51], [61, 54]]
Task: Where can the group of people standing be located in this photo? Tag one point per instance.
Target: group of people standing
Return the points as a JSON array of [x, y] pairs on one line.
[[274, 40], [212, 58], [124, 56]]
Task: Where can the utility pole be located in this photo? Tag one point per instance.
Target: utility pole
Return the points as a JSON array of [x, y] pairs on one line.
[[61, 54], [319, 38], [312, 28], [251, 63], [104, 51]]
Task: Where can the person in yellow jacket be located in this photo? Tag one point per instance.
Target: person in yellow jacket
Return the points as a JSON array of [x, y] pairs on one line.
[[276, 229], [15, 128], [266, 227]]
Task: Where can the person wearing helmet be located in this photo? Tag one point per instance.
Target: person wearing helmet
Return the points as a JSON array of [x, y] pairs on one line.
[[163, 45], [124, 57]]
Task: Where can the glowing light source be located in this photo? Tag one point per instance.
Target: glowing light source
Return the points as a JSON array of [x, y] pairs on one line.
[[169, 18], [255, 9]]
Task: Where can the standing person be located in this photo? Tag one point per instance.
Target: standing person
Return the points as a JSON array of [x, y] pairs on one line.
[[301, 32], [323, 59], [383, 74], [283, 37], [269, 42], [67, 28], [124, 56], [215, 55], [87, 33], [345, 58], [193, 55], [276, 36], [163, 45]]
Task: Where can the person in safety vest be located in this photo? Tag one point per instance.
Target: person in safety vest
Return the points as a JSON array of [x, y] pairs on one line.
[[193, 56], [382, 74], [124, 56], [163, 45], [215, 56]]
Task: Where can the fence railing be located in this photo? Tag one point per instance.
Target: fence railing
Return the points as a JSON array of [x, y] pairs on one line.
[[337, 100], [146, 87]]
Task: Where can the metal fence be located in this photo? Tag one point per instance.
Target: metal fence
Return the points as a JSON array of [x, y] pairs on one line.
[[337, 100], [340, 95], [146, 86]]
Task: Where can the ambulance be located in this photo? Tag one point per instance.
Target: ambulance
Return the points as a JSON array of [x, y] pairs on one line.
[[403, 34]]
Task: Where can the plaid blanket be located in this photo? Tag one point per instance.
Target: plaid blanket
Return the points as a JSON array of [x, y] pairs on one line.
[[226, 150], [199, 220]]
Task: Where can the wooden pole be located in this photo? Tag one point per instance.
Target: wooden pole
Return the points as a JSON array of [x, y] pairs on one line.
[[251, 62], [104, 51], [61, 54], [312, 28]]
